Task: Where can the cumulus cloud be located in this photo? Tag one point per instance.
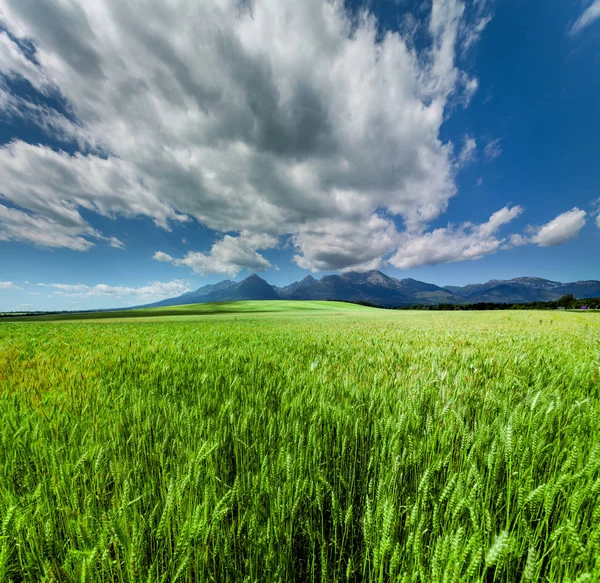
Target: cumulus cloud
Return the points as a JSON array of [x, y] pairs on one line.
[[450, 244], [228, 256], [562, 229], [589, 16], [341, 245], [9, 285], [156, 290], [269, 118]]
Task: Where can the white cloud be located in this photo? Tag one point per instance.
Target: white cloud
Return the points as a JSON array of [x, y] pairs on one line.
[[156, 290], [473, 33], [589, 16], [342, 245], [227, 256], [493, 149], [446, 245], [468, 153], [295, 116], [13, 63], [9, 285], [562, 229], [596, 211], [518, 240], [16, 225], [55, 185]]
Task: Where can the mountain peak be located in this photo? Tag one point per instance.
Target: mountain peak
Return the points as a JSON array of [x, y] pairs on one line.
[[377, 288], [253, 278]]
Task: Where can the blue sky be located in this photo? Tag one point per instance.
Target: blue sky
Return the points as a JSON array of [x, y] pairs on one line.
[[142, 155]]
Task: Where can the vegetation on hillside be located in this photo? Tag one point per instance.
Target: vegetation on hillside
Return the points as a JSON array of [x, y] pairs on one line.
[[206, 309], [568, 302]]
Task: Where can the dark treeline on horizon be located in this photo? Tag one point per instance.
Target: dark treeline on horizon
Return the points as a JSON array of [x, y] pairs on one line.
[[568, 302]]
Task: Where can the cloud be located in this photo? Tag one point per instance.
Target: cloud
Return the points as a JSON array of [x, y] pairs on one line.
[[596, 211], [589, 16], [14, 64], [340, 245], [493, 149], [17, 225], [156, 290], [228, 256], [468, 153], [9, 285], [562, 229], [450, 244], [473, 33], [297, 115], [480, 17], [55, 185]]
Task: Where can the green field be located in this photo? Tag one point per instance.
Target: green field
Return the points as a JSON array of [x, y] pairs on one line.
[[280, 441], [210, 309]]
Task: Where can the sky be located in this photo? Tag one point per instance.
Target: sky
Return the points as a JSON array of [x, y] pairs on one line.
[[151, 147]]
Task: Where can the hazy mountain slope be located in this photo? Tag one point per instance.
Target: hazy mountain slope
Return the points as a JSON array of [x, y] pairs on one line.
[[525, 289], [380, 289]]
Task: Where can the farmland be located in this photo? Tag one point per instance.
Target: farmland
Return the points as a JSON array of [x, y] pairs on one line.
[[282, 441]]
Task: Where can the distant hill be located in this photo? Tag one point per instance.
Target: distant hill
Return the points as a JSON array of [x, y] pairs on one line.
[[251, 288], [377, 288], [525, 289]]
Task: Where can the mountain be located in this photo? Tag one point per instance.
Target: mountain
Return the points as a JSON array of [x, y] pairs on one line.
[[251, 288], [378, 288], [198, 296], [373, 287], [524, 289], [288, 290]]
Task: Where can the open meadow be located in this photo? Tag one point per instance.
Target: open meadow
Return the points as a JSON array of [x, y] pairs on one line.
[[282, 441]]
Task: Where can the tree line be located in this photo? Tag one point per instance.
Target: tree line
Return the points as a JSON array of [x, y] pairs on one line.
[[568, 302]]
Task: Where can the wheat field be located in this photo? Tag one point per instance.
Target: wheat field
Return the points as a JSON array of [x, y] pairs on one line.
[[332, 445]]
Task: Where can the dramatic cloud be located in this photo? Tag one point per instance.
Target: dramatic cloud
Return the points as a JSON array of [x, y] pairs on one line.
[[9, 285], [590, 15], [153, 291], [269, 118], [228, 256], [342, 245], [563, 228], [466, 242]]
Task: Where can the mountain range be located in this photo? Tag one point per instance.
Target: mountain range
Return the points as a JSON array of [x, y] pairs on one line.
[[377, 288]]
